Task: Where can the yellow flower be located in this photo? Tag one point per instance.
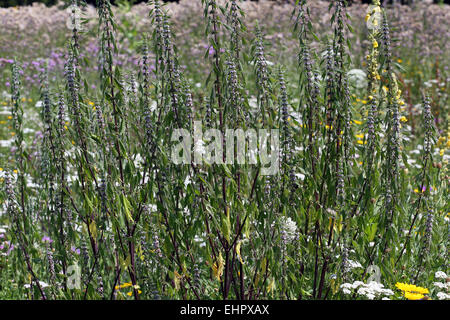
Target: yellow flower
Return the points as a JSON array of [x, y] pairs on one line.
[[361, 142], [357, 121], [360, 136], [13, 133], [399, 60], [1, 169], [403, 119], [10, 117], [91, 103], [375, 44], [410, 288], [125, 285], [367, 17], [131, 293], [441, 152], [413, 296]]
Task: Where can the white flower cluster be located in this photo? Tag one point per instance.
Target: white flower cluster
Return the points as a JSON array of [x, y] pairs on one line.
[[41, 283], [442, 285], [288, 229], [358, 78], [370, 290], [352, 265]]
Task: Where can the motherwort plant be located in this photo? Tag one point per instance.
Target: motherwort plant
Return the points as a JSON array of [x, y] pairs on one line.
[[105, 211]]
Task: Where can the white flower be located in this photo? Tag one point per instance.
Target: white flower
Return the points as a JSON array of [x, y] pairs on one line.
[[357, 77], [353, 264], [301, 176], [440, 285], [346, 291], [371, 290], [356, 284], [346, 286], [288, 228], [443, 296], [152, 207], [440, 275], [41, 283]]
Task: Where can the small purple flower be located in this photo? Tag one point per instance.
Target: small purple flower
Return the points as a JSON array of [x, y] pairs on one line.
[[47, 239], [75, 250]]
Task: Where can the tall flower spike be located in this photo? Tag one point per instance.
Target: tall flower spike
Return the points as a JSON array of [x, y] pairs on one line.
[[233, 96], [235, 29], [262, 75]]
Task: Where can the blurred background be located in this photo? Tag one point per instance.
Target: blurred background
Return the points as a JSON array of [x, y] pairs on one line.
[[12, 3]]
